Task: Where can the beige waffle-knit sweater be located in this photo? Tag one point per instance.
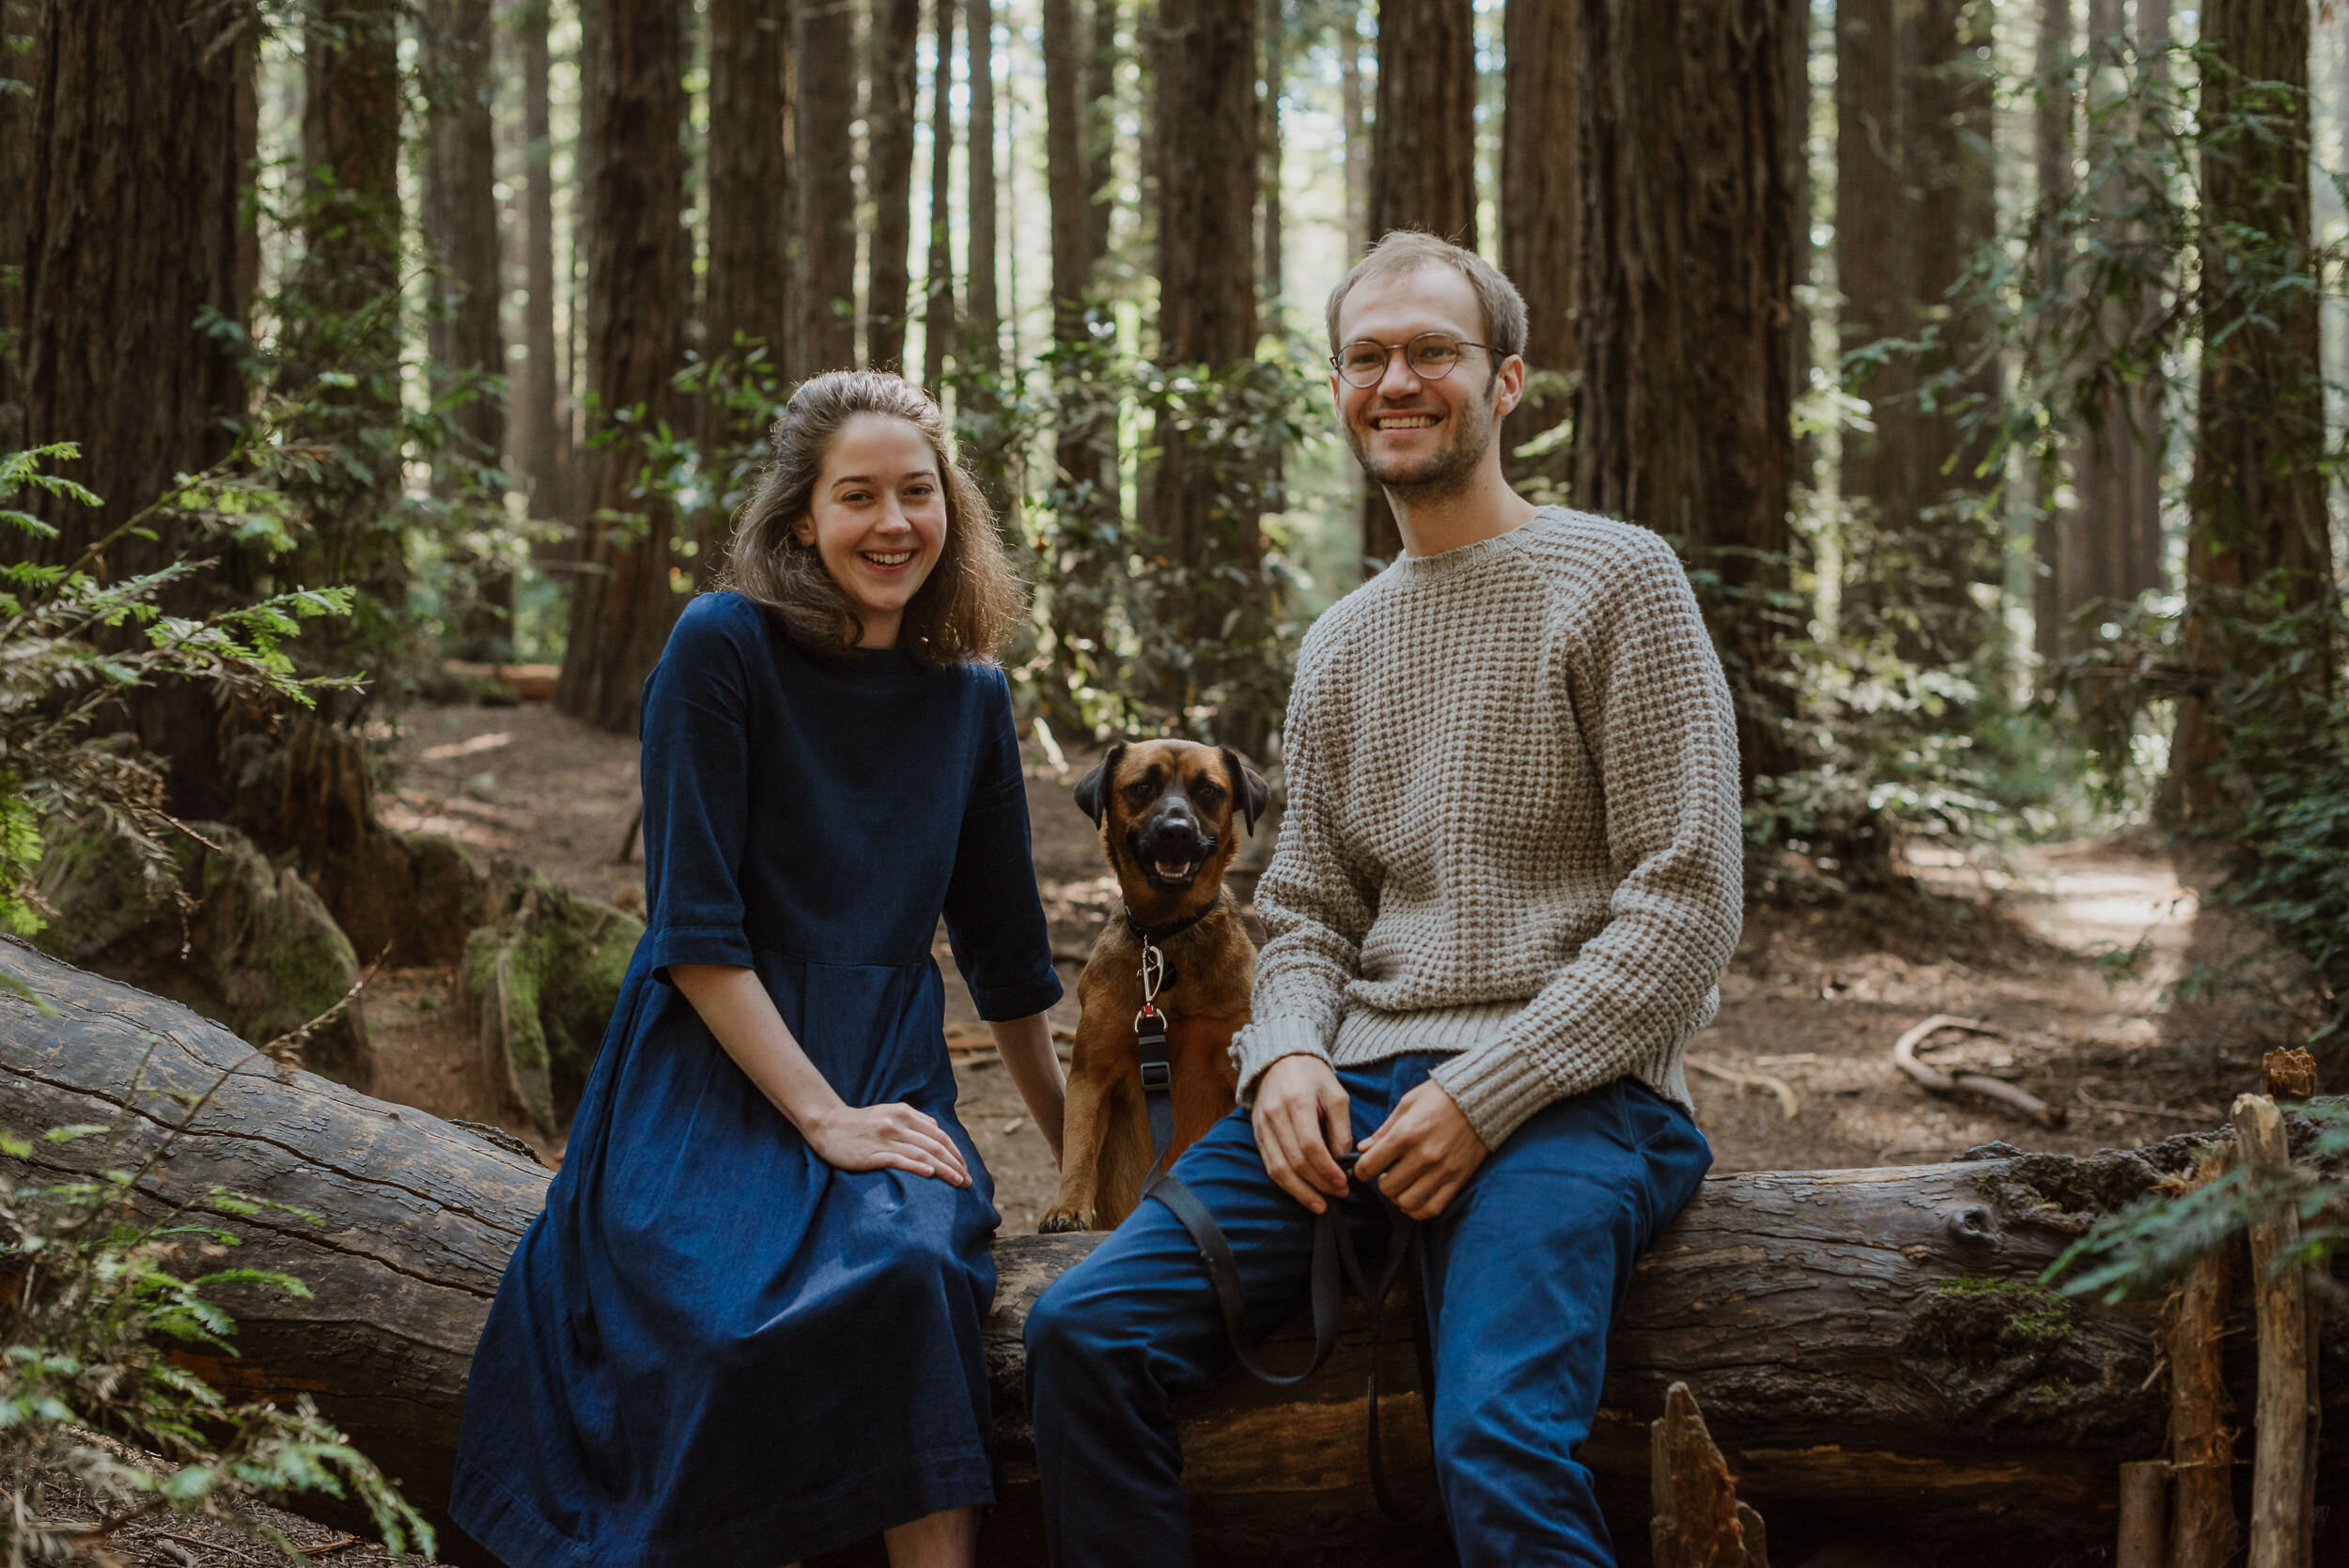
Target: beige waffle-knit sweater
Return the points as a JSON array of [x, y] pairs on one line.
[[1512, 830]]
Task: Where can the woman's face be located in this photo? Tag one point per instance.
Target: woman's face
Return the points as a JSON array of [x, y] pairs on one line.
[[877, 519]]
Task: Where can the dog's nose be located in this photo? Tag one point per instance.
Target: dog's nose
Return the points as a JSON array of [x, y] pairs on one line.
[[1173, 827]]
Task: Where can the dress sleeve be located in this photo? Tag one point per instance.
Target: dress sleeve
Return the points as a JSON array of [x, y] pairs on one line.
[[994, 918], [695, 769]]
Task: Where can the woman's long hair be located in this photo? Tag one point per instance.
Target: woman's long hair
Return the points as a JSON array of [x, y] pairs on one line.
[[969, 605]]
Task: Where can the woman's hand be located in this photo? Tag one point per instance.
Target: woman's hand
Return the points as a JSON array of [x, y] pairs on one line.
[[885, 1138]]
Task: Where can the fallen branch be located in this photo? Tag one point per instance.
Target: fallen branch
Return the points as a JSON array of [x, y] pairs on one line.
[[1787, 1100], [1933, 1080]]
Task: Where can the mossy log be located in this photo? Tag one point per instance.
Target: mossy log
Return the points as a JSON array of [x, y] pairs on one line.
[[1869, 1345]]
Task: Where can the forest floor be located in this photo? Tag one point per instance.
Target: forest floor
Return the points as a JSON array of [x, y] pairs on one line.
[[2122, 1000]]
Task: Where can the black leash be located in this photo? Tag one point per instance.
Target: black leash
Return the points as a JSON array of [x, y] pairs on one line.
[[1336, 1264]]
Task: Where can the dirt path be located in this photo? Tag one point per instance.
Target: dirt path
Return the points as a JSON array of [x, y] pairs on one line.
[[2078, 951]]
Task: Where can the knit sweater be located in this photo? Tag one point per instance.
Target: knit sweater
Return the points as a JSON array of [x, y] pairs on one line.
[[1512, 831]]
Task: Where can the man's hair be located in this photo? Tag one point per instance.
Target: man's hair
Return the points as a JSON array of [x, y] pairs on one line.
[[972, 601], [1406, 250]]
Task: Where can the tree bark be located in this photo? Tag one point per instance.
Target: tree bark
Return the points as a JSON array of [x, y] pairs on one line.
[[1942, 544], [750, 178], [1272, 28], [981, 301], [133, 133], [17, 41], [464, 336], [2258, 492], [2054, 114], [937, 310], [1354, 126], [1872, 230], [1423, 160], [895, 71], [622, 604], [541, 418], [1205, 71], [1541, 204], [1681, 417], [1866, 1343], [823, 105], [1101, 57]]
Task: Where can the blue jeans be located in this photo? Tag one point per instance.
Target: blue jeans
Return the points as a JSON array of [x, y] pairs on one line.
[[1522, 1274]]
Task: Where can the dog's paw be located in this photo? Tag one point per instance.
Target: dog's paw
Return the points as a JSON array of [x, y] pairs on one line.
[[1061, 1219]]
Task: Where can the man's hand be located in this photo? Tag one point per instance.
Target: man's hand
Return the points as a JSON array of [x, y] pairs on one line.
[[1301, 1126], [1425, 1148]]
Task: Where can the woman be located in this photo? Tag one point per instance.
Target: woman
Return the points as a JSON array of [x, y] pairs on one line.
[[746, 1329]]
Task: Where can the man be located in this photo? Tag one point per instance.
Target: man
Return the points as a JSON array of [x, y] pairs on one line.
[[1507, 882]]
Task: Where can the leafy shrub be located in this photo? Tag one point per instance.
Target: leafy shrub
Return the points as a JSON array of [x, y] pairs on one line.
[[102, 1296], [65, 659]]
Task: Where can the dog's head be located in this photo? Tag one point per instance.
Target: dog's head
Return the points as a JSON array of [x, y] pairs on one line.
[[1165, 810]]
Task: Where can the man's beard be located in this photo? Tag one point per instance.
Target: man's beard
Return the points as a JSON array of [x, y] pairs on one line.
[[1443, 473]]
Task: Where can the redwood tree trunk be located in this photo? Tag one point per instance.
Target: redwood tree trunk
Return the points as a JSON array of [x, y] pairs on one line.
[[1423, 157], [2259, 516], [1540, 205], [461, 220], [541, 419], [2056, 112], [1681, 418], [621, 602], [1205, 69], [981, 303], [1101, 122], [823, 105], [1874, 225], [893, 72], [133, 133], [16, 208], [749, 297], [937, 309]]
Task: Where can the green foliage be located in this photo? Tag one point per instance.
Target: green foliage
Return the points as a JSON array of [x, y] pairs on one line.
[[111, 1301], [2145, 1246], [73, 640]]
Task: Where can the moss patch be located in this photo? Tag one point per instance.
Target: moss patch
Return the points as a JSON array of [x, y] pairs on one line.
[[542, 985], [2065, 1193]]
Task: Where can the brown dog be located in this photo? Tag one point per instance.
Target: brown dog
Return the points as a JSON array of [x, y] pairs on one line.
[[1165, 809]]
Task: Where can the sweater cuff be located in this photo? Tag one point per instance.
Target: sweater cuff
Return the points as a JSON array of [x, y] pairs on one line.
[[1497, 1086], [1265, 1042]]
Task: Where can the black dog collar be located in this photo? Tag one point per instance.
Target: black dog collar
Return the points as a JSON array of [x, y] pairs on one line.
[[1160, 936]]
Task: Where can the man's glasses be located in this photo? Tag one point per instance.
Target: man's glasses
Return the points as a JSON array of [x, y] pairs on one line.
[[1432, 356]]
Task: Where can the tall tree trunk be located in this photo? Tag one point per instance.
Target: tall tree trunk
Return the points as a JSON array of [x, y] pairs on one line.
[[622, 604], [1101, 123], [17, 18], [133, 133], [1273, 27], [540, 418], [2258, 495], [895, 71], [937, 310], [978, 406], [747, 298], [1872, 225], [1943, 541], [1354, 129], [460, 222], [823, 106], [1422, 159], [2055, 112], [1205, 71], [1540, 205], [1681, 418], [750, 178]]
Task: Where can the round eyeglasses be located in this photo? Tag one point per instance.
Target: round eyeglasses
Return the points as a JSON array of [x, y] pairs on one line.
[[1432, 356]]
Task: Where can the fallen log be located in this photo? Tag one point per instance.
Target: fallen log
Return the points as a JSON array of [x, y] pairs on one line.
[[1869, 1345]]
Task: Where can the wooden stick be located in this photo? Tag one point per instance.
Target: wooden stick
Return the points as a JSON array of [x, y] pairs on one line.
[[2279, 1478], [1933, 1080], [2144, 1510], [2202, 1446], [1787, 1100], [1699, 1522]]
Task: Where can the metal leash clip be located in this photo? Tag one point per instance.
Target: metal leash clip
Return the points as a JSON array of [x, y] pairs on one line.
[[1150, 1024]]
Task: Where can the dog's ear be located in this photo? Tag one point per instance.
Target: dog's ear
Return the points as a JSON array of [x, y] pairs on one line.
[[1247, 788], [1089, 788]]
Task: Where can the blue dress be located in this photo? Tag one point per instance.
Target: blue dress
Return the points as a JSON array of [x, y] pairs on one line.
[[713, 1348]]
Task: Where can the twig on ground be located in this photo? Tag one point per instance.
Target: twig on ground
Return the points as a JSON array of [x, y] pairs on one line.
[[1935, 1080], [1787, 1099], [2182, 1113]]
